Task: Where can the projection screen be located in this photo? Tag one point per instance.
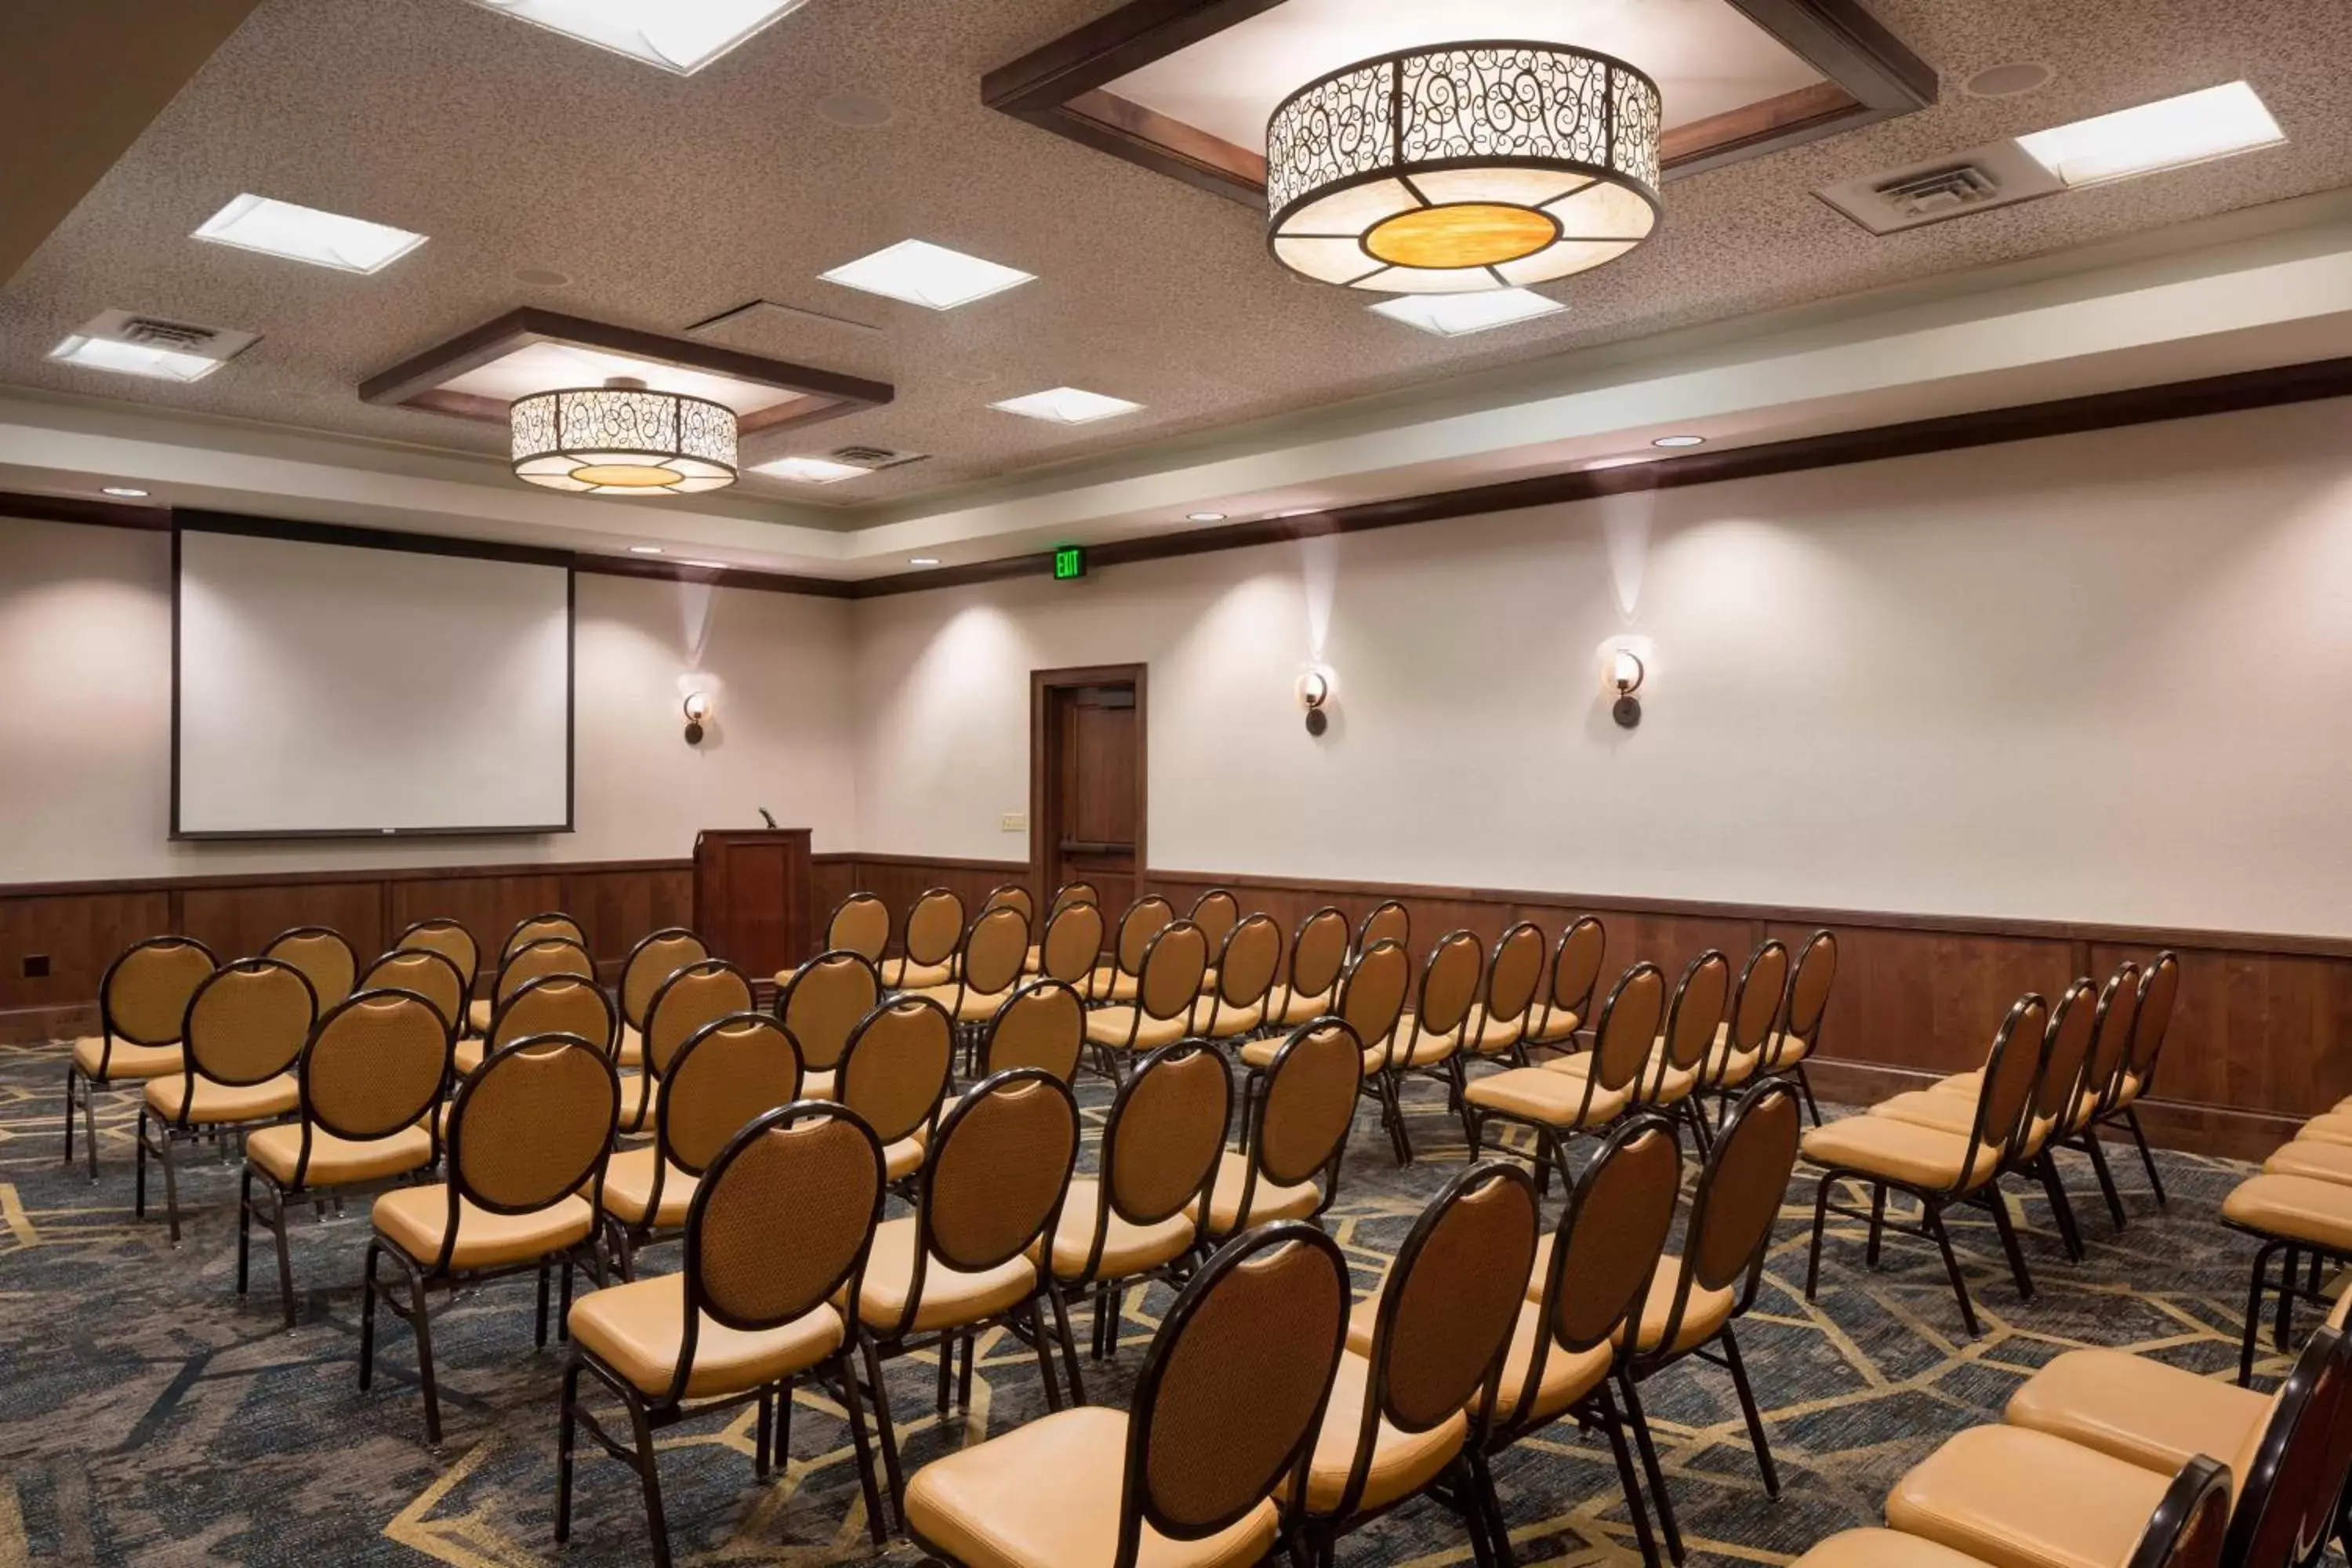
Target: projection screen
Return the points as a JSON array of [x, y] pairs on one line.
[[341, 682]]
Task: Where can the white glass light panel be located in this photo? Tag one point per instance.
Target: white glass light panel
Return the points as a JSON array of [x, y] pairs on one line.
[[1068, 406], [2165, 134], [809, 470], [1458, 315], [134, 359], [928, 274], [678, 36], [307, 233]]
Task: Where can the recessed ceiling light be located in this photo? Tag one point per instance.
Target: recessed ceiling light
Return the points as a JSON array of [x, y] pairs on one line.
[[922, 560], [1679, 441], [305, 234], [128, 492], [645, 549], [1068, 406], [2165, 134], [679, 38], [1459, 315], [134, 359], [2009, 81], [1204, 517], [858, 110], [809, 470], [928, 274]]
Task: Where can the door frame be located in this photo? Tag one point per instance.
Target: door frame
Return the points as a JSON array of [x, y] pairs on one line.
[[1043, 684]]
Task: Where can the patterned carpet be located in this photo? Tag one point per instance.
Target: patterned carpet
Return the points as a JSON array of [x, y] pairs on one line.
[[147, 1414]]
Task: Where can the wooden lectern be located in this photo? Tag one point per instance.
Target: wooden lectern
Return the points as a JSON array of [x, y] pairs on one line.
[[752, 893]]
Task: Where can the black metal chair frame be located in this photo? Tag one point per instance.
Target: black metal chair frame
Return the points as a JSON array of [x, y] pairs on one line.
[[109, 1032], [1552, 1138]]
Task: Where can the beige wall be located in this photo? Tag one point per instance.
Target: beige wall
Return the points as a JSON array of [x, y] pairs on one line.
[[85, 728], [2099, 677]]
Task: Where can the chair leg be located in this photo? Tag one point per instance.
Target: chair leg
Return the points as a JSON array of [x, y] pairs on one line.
[[2254, 1314], [285, 1263], [1613, 1421], [1648, 1448], [2070, 1234], [420, 1323], [1805, 1087], [2007, 1229], [2286, 1308], [1821, 1226], [889, 1435], [876, 1526], [947, 1350], [171, 1181], [566, 1433], [73, 1077], [1482, 1477], [2092, 1146], [244, 1225], [1877, 1227], [1935, 1221], [1747, 1408], [1399, 1139], [139, 1180], [2146, 1156], [1467, 1503], [1042, 1341], [763, 1432], [649, 1473], [1069, 1344], [539, 1329], [89, 1125], [367, 1317]]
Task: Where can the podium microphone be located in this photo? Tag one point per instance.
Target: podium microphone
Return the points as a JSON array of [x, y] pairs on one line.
[[767, 816]]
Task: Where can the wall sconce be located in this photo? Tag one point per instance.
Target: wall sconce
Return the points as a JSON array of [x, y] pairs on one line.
[[1625, 673], [699, 706], [1313, 695]]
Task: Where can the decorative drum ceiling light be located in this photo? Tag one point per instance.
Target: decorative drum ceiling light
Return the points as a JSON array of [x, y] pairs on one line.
[[1468, 167], [620, 439]]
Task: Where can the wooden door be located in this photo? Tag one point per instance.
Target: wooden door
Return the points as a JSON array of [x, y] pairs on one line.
[[1086, 783]]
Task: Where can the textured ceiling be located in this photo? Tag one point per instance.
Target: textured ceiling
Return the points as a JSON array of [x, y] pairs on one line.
[[668, 200]]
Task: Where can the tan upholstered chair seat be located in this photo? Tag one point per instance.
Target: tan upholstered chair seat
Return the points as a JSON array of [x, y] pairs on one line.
[[218, 1104], [1541, 1094], [1128, 1248], [1883, 1549], [1728, 1068], [1228, 1020], [630, 1119], [1676, 1084], [965, 1007], [468, 1054], [2142, 1411], [2015, 1498], [2301, 1208], [1412, 1048], [951, 1296], [905, 1157], [1034, 964], [1702, 1314], [338, 1162], [818, 1085], [897, 975], [128, 1061], [1284, 1006], [2311, 1157], [1488, 1039], [2335, 1127], [1554, 1028], [1109, 1027], [1881, 1146], [478, 1015], [414, 1219], [1567, 1376], [1268, 1202], [1045, 1494], [638, 1329], [1109, 985], [1950, 1113], [1402, 1463], [1261, 1054], [2130, 1090], [633, 1047], [629, 1188], [2344, 1106], [1969, 1083]]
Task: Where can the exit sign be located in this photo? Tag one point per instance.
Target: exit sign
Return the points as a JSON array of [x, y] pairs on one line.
[[1069, 561]]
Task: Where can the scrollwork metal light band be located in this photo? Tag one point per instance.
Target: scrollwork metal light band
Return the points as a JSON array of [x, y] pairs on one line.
[[623, 439], [1492, 164]]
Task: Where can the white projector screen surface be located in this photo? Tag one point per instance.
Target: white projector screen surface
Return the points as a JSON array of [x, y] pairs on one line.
[[327, 687]]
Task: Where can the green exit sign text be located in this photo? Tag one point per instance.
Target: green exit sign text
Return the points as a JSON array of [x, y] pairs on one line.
[[1069, 561]]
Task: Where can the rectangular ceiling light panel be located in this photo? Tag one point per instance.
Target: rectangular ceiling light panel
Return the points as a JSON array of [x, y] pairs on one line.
[[679, 35], [1458, 315], [307, 233], [134, 359], [2165, 134], [928, 274], [809, 470], [1068, 406], [124, 342]]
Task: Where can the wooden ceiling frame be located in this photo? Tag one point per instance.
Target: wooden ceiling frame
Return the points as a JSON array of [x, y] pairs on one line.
[[421, 381], [1061, 87]]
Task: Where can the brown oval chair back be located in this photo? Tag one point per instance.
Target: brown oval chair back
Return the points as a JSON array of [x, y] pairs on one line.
[[1737, 1200], [1247, 963], [452, 940], [2103, 1076], [537, 959], [555, 1005], [1174, 966], [1072, 943], [1145, 919], [1070, 893], [1165, 1137], [2191, 1523], [529, 1128], [1627, 1030], [539, 928], [2160, 990], [1000, 1166], [249, 1022], [322, 955], [994, 950], [1515, 973], [824, 1002], [1012, 896], [1232, 1392], [1756, 1004], [1386, 921], [2074, 1023], [655, 958], [2005, 1099], [688, 1000], [1216, 912], [1808, 998], [374, 1068], [143, 998], [1309, 1102], [1371, 998], [1608, 1243], [894, 1067], [1575, 968], [1318, 952], [730, 1073], [1449, 983], [428, 972], [934, 927], [1041, 1026], [1691, 1018], [2287, 1501], [860, 923]]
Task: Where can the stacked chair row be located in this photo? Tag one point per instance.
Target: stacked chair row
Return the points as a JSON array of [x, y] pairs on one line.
[[2299, 1209]]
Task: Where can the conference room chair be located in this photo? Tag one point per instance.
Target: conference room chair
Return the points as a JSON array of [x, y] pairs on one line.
[[1427, 1039], [987, 969], [1412, 1405], [895, 1073], [2187, 1529], [552, 923], [550, 1004], [1670, 1082], [1555, 1107], [452, 940], [1116, 981], [1310, 983], [753, 1312], [1939, 1169], [528, 1136], [1507, 1002], [964, 1260], [1070, 948], [1787, 1050], [2300, 1221], [728, 1072], [1371, 1001], [1595, 1277], [1070, 893], [2159, 994], [1295, 1117], [2058, 1090], [820, 1004], [1216, 912], [1240, 980], [367, 1082], [1012, 896], [928, 946], [1754, 1018], [1695, 1298], [1203, 1471], [246, 1027], [1388, 920], [1168, 984], [325, 959], [656, 956], [860, 923], [1043, 1025], [429, 973], [695, 995], [542, 956], [1141, 1216], [143, 1012], [1574, 987]]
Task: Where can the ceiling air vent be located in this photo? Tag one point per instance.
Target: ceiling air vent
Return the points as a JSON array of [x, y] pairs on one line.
[[872, 457], [1998, 175], [168, 334], [157, 332]]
